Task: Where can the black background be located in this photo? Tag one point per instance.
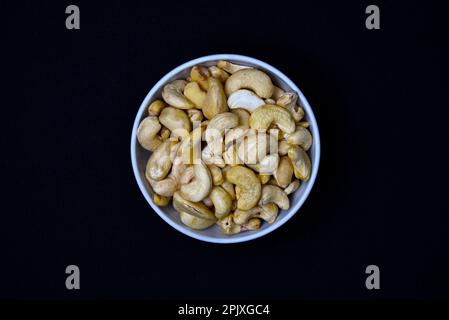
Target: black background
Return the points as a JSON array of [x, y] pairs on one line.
[[69, 98]]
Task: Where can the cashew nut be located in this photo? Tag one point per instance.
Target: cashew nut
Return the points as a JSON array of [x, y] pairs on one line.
[[218, 73], [173, 95], [217, 175], [211, 158], [147, 133], [176, 121], [156, 107], [301, 162], [274, 194], [228, 226], [169, 185], [195, 222], [255, 146], [267, 165], [269, 114], [288, 100], [249, 187], [292, 187], [301, 137], [160, 162], [231, 67], [267, 212], [244, 99], [200, 186], [215, 101], [187, 175], [253, 79], [222, 201], [194, 93], [197, 209], [161, 201], [216, 129], [200, 75], [283, 147], [284, 172]]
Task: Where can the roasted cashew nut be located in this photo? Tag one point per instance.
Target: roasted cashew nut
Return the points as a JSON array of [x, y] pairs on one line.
[[301, 137], [288, 100], [169, 185], [284, 172], [194, 93], [194, 222], [160, 161], [249, 187], [267, 212], [173, 95], [244, 99], [200, 186], [228, 226], [222, 201], [301, 162], [215, 101], [197, 209], [217, 127], [269, 114], [274, 194], [231, 67], [176, 121], [147, 133], [253, 79], [292, 187]]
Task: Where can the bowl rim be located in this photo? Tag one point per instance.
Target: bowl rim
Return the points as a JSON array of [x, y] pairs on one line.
[[315, 163]]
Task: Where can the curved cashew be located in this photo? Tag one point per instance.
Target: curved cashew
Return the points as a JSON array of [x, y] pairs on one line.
[[217, 175], [228, 226], [274, 194], [222, 201], [200, 75], [216, 129], [255, 146], [269, 114], [243, 116], [252, 79], [288, 100], [301, 137], [284, 172], [160, 161], [211, 158], [218, 73], [215, 101], [266, 212], [249, 187], [267, 165], [197, 209], [169, 185], [156, 107], [194, 93], [187, 175], [301, 162], [292, 187], [176, 121], [195, 222], [173, 95], [244, 99], [231, 67], [200, 186], [147, 133]]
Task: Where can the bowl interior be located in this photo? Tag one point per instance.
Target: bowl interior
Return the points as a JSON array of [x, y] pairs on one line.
[[140, 156]]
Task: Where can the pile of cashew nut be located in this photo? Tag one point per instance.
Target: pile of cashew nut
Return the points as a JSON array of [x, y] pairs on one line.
[[228, 147]]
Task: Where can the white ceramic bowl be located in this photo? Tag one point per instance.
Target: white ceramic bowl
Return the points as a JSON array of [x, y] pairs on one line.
[[139, 156]]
